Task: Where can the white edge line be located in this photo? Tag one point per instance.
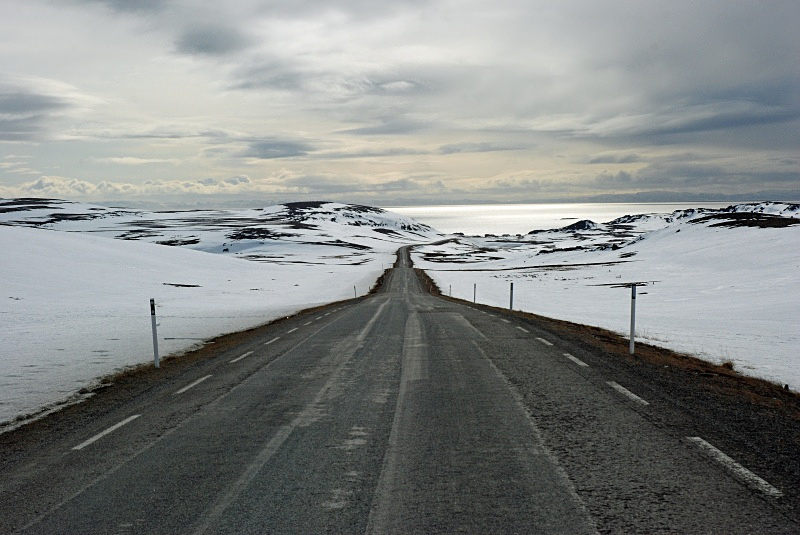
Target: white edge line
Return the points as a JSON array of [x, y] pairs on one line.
[[271, 341], [194, 384], [237, 359], [111, 429], [737, 469], [627, 393], [545, 342], [576, 360], [523, 329]]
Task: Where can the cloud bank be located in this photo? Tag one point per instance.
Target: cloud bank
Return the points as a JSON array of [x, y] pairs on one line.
[[401, 101]]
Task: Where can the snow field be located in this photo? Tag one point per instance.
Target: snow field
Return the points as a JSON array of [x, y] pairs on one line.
[[722, 294], [77, 306]]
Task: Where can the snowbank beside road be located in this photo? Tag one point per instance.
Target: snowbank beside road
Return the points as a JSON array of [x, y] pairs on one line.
[[77, 306]]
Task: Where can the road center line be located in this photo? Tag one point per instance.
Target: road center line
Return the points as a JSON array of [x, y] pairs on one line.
[[292, 330], [111, 429], [576, 360], [523, 329], [273, 340], [739, 470], [307, 323], [545, 342], [194, 384], [505, 320], [627, 393], [237, 359]]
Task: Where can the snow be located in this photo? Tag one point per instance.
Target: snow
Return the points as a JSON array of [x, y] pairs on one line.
[[77, 304], [719, 293]]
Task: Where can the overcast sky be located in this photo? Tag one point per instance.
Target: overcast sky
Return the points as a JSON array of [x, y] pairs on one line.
[[397, 101]]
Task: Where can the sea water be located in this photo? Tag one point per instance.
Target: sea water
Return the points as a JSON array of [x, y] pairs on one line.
[[499, 219]]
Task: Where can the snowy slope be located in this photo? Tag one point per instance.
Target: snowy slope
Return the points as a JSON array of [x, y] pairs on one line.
[[728, 281], [340, 233], [75, 305]]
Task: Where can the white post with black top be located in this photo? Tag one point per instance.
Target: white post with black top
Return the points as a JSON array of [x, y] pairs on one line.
[[155, 332]]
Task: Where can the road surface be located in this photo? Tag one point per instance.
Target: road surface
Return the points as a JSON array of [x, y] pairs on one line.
[[399, 413]]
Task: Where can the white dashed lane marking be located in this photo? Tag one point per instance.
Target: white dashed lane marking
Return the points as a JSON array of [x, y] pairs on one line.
[[237, 359], [545, 342], [627, 393], [576, 360], [740, 471], [194, 384], [111, 429]]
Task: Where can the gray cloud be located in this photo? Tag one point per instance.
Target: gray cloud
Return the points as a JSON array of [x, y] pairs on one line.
[[618, 179], [709, 116], [276, 148], [211, 40], [389, 126], [63, 187], [27, 112], [457, 148], [333, 184], [132, 160], [323, 184], [19, 104], [714, 177], [130, 6], [615, 159], [268, 74]]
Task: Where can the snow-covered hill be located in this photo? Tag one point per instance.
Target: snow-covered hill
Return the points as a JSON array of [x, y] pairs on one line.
[[339, 233], [728, 281], [75, 304]]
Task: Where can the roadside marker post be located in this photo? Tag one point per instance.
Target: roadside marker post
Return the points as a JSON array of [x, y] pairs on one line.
[[155, 333], [633, 318], [632, 286], [511, 297], [474, 293]]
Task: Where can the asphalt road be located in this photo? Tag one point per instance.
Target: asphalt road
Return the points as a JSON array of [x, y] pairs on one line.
[[399, 413]]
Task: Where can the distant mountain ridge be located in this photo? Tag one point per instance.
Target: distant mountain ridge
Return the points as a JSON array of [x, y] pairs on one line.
[[761, 214], [254, 234]]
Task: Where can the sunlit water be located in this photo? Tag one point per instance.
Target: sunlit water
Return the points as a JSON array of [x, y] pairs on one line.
[[522, 218]]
